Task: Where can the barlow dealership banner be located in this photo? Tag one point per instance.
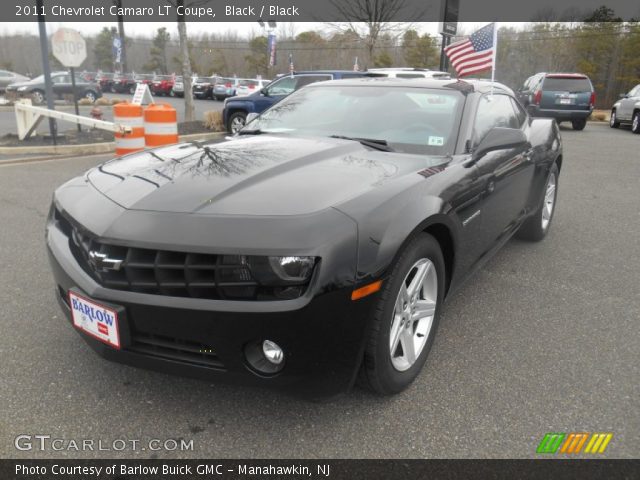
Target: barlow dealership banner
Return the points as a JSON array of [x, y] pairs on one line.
[[307, 10], [314, 469]]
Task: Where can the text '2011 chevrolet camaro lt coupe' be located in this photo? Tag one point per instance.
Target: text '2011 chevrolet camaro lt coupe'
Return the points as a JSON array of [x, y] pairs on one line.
[[313, 249]]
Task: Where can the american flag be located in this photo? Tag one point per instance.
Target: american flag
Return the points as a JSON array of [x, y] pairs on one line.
[[473, 54]]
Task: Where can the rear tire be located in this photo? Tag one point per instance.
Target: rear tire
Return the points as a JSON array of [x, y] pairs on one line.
[[386, 368], [579, 124], [613, 121], [536, 227], [635, 123]]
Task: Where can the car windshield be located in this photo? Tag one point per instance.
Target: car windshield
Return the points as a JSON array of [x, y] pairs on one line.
[[38, 79], [408, 119], [567, 84]]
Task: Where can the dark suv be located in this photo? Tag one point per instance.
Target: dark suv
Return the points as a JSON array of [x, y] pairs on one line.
[[236, 109], [567, 97]]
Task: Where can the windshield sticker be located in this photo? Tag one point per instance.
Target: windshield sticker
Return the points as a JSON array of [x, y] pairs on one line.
[[436, 141]]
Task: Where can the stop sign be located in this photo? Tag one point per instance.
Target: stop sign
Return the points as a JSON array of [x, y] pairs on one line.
[[69, 47]]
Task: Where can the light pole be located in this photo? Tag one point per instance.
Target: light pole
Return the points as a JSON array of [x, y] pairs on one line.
[[48, 86]]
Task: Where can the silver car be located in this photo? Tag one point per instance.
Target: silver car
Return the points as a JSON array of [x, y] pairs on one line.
[[7, 78], [627, 110]]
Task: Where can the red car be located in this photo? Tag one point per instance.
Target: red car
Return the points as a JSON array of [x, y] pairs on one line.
[[163, 85], [105, 80]]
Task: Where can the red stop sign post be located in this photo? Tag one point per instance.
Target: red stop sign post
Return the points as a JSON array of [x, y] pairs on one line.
[[70, 49]]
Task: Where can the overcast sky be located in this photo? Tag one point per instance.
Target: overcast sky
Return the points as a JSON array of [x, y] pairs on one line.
[[149, 28]]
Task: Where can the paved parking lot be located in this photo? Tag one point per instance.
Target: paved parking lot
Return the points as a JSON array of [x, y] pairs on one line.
[[544, 339]]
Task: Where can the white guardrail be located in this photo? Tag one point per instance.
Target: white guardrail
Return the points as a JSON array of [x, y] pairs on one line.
[[28, 118]]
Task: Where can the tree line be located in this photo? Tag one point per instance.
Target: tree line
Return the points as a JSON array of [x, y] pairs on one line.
[[601, 46]]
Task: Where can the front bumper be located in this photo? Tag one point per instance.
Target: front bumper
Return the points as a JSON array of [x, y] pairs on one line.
[[322, 333]]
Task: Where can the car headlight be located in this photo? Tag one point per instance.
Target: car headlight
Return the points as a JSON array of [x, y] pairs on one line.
[[283, 278]]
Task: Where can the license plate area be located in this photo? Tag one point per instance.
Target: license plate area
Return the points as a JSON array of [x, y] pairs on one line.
[[95, 319]]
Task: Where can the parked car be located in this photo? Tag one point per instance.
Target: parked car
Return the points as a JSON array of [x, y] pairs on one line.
[[35, 89], [236, 109], [567, 97], [408, 73], [105, 80], [224, 88], [627, 110], [203, 87], [248, 86], [316, 246], [124, 83], [163, 85], [7, 78], [178, 88]]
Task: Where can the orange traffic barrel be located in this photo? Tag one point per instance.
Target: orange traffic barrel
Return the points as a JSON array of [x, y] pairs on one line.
[[129, 115], [160, 125]]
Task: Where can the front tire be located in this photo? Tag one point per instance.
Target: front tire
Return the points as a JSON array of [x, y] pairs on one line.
[[579, 124], [90, 95], [536, 227], [236, 122], [37, 96], [635, 123], [613, 121], [405, 318]]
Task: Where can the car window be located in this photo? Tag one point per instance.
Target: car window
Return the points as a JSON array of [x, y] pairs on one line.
[[493, 111], [409, 75], [60, 79], [635, 91], [521, 115], [567, 84], [4, 74], [287, 85]]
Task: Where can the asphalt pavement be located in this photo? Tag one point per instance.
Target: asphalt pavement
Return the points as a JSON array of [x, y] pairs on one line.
[[8, 117], [545, 338]]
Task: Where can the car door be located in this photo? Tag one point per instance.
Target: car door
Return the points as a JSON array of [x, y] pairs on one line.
[[61, 84], [626, 104], [506, 173]]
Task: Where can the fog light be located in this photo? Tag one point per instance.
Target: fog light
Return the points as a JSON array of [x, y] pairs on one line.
[[272, 352], [264, 357]]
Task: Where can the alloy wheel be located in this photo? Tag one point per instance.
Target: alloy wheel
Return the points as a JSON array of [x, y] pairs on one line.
[[612, 120], [413, 314], [37, 97], [237, 123], [549, 201], [635, 126]]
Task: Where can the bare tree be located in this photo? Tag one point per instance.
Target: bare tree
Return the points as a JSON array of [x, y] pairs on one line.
[[371, 19], [189, 111]]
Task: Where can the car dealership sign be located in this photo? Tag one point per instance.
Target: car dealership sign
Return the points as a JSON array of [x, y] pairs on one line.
[[69, 47]]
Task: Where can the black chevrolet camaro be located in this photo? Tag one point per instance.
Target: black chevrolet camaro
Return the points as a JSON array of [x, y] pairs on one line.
[[313, 249]]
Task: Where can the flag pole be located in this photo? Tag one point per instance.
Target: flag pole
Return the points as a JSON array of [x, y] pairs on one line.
[[495, 54]]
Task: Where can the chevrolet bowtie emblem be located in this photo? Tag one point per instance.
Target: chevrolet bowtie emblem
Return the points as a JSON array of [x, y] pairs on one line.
[[103, 263]]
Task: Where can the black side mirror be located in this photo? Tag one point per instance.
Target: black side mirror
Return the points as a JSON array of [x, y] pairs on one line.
[[264, 92], [500, 138]]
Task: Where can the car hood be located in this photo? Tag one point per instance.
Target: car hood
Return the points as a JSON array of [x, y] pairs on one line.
[[262, 175], [29, 83]]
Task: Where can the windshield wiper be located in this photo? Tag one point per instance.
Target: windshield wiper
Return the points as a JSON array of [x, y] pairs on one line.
[[381, 145]]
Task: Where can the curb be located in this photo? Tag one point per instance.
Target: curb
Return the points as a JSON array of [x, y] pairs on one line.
[[92, 148]]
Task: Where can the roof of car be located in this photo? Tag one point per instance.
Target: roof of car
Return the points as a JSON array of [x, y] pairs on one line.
[[466, 86]]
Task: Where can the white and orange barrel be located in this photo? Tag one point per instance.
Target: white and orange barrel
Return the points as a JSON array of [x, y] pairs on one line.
[[160, 125], [129, 115]]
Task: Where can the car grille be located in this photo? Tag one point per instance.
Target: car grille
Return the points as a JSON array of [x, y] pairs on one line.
[[175, 349], [164, 272]]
